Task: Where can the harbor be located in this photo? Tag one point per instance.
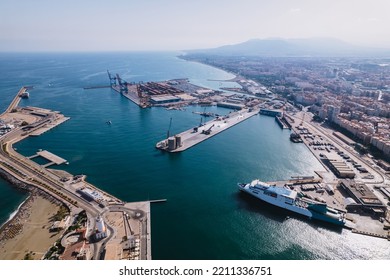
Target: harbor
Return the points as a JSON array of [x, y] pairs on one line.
[[200, 184], [80, 199], [348, 183], [189, 138], [313, 192], [178, 93]]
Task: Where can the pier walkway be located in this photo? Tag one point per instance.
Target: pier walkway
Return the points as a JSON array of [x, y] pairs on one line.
[[193, 136], [15, 101], [54, 159]]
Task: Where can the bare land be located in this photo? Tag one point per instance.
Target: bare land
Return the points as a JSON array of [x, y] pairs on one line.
[[27, 234]]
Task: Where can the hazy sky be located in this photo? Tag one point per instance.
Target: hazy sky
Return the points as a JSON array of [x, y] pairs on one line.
[[71, 25]]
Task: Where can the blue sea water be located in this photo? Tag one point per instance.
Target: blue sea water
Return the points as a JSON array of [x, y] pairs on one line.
[[205, 216]]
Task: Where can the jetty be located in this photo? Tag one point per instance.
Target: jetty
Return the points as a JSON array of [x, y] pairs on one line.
[[52, 158], [189, 138], [102, 209], [15, 102]]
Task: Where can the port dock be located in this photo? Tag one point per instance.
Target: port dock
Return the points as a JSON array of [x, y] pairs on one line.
[[15, 102], [187, 139], [101, 208], [52, 158]]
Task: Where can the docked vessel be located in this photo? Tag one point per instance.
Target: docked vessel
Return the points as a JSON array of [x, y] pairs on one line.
[[288, 199], [25, 94], [296, 138]]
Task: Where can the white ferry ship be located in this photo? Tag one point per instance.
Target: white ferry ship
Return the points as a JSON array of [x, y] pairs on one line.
[[286, 198]]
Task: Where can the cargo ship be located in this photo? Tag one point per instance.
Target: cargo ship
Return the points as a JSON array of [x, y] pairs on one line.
[[291, 200]]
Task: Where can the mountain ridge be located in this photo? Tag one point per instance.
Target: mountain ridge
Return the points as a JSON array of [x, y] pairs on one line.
[[307, 47]]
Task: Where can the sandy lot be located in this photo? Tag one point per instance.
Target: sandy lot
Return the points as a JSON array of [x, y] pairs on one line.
[[29, 232]]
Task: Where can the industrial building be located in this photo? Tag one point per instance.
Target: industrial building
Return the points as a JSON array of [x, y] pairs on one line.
[[164, 99], [91, 195], [365, 201], [174, 142], [272, 113], [231, 105], [344, 138], [339, 167], [385, 166]]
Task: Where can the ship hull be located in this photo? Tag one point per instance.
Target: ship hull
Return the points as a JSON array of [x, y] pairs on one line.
[[279, 203], [288, 200]]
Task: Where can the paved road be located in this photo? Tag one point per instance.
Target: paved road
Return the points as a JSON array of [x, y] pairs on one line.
[[34, 174], [31, 173]]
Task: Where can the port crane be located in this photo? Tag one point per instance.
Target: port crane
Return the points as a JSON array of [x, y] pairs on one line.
[[112, 79], [122, 84], [303, 117], [208, 131], [169, 128]]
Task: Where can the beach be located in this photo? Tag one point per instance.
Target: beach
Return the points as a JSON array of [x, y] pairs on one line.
[[28, 231]]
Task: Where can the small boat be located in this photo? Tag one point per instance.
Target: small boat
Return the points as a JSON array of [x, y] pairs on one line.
[[109, 122]]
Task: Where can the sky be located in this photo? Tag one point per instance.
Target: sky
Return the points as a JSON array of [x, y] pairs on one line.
[[129, 25]]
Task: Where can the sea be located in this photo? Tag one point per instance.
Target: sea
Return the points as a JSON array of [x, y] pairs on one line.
[[205, 216]]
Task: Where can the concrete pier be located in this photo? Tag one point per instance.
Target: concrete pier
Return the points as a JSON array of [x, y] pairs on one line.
[[54, 159], [15, 102], [48, 126], [193, 136]]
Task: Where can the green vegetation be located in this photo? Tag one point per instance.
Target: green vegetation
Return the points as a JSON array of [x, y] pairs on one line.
[[80, 220], [54, 251], [73, 227], [82, 217], [61, 213]]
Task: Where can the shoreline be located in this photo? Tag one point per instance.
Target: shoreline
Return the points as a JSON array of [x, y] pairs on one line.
[[28, 233], [14, 215], [17, 227], [234, 79]]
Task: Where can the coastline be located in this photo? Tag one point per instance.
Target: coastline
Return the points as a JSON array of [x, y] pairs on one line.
[[27, 233], [13, 216], [22, 232], [234, 79]]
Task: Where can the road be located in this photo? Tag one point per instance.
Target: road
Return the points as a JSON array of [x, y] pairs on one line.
[[31, 173], [142, 217]]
